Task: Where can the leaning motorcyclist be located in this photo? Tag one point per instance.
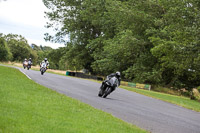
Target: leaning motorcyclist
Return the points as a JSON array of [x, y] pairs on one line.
[[46, 62], [117, 75]]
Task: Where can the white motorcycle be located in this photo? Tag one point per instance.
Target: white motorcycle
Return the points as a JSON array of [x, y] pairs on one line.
[[43, 68]]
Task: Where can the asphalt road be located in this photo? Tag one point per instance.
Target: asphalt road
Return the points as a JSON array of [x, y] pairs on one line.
[[150, 114]]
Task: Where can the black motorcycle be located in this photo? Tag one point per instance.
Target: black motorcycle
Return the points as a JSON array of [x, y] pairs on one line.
[[29, 65], [111, 84]]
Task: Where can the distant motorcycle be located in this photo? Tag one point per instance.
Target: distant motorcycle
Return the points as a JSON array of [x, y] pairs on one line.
[[111, 83], [25, 64], [29, 65], [43, 68]]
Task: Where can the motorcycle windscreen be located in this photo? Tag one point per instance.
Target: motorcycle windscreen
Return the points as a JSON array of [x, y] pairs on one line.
[[44, 65]]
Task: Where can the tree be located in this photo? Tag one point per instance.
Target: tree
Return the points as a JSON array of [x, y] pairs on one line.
[[54, 57], [35, 47], [149, 41], [74, 21], [19, 48], [176, 44], [5, 54]]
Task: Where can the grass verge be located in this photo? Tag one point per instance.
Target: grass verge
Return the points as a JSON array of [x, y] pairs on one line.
[[178, 100], [26, 106]]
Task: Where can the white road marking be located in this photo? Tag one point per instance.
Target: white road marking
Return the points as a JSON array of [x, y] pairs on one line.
[[25, 74]]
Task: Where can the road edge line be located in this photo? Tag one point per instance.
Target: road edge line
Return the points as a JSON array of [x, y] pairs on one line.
[[24, 74]]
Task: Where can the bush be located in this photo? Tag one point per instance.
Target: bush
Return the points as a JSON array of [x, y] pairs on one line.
[[5, 54], [198, 88], [195, 95]]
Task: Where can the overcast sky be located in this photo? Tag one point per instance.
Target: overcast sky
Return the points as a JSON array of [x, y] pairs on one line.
[[26, 18]]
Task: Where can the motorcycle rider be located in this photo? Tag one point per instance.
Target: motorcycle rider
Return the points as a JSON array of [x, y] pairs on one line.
[[25, 63], [25, 60], [46, 62], [30, 62], [117, 75], [30, 59]]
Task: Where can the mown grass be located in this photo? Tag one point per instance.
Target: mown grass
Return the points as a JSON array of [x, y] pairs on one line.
[[28, 107], [178, 100]]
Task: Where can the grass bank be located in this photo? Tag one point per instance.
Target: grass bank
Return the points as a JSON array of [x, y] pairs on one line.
[[178, 100], [29, 107]]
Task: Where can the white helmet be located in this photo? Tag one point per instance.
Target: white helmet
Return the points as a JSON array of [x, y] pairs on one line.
[[118, 74]]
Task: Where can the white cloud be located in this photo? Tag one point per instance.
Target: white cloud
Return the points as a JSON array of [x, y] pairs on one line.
[[25, 17], [29, 12]]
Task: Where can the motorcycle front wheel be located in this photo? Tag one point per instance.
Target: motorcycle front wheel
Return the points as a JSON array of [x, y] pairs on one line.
[[100, 93], [42, 72], [107, 92]]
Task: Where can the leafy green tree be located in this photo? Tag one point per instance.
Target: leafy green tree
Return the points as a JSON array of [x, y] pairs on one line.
[[5, 54], [54, 57], [149, 41], [20, 48], [74, 21], [176, 44], [35, 47], [45, 48]]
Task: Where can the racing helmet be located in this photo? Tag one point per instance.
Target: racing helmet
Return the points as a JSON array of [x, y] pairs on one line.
[[118, 74]]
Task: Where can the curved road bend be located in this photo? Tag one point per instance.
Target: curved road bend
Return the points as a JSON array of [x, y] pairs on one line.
[[151, 114]]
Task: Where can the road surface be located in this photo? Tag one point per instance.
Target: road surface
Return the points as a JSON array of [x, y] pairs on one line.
[[148, 113]]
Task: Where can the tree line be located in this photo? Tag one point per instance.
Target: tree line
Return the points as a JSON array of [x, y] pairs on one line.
[[149, 41], [15, 47]]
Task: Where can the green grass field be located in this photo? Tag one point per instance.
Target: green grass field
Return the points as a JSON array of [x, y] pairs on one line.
[[178, 100], [28, 107]]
